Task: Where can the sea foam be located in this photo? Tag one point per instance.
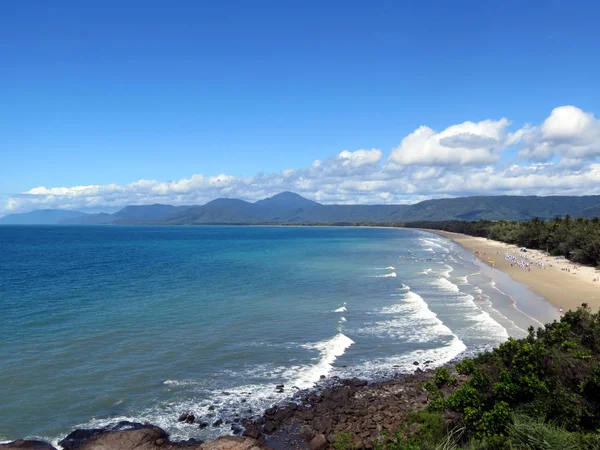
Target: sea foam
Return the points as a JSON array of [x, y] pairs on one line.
[[387, 275]]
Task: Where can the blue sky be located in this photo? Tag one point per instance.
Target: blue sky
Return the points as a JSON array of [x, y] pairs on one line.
[[110, 93]]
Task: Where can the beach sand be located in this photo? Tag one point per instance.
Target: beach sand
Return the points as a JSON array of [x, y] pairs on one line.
[[566, 289]]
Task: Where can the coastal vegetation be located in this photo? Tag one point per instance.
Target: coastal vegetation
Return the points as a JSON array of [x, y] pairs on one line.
[[575, 239], [537, 393]]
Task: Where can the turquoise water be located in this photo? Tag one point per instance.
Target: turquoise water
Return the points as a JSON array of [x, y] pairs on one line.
[[143, 323]]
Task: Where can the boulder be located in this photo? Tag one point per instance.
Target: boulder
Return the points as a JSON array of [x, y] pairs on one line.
[[319, 442], [142, 437], [307, 433], [231, 443], [251, 431], [358, 382], [21, 444], [218, 422]]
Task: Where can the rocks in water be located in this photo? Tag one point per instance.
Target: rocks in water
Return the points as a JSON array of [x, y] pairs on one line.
[[322, 377], [22, 444], [280, 386], [211, 408], [187, 417], [319, 442], [218, 423], [416, 363], [203, 425]]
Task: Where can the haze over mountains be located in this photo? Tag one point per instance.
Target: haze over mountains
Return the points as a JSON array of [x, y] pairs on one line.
[[288, 207]]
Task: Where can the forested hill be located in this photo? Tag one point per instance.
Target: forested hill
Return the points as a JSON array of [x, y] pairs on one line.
[[288, 207]]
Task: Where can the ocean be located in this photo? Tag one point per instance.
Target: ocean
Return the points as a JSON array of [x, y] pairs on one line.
[[109, 323]]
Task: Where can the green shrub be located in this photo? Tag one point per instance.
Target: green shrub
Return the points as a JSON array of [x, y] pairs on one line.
[[344, 441]]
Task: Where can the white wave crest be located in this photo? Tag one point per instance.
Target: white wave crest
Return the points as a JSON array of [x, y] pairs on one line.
[[343, 319], [342, 309], [330, 350], [446, 285], [426, 271], [387, 275]]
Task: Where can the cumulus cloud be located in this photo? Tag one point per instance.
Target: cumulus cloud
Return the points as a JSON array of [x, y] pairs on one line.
[[468, 143], [568, 132], [559, 156]]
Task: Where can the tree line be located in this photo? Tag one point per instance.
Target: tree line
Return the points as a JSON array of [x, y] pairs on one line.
[[575, 239]]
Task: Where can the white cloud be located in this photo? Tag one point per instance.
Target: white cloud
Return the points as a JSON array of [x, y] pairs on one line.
[[568, 132], [467, 143], [359, 158], [460, 160]]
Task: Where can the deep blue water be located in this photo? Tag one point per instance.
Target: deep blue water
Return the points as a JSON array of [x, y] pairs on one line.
[[142, 323]]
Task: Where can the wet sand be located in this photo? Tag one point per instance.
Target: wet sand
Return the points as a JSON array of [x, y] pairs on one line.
[[561, 282]]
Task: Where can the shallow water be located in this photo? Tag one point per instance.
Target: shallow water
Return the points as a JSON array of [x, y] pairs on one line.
[[142, 323]]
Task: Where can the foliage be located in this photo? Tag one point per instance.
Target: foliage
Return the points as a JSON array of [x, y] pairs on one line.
[[541, 392], [344, 441], [575, 239], [532, 434]]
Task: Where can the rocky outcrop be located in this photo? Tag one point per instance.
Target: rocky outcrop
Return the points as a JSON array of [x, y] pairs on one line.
[[231, 443], [26, 445], [130, 436], [348, 406]]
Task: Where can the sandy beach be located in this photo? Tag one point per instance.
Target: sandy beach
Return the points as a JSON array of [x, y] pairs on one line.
[[561, 282]]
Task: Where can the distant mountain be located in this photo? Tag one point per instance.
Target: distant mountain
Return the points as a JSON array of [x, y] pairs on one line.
[[285, 200], [90, 219], [288, 207], [505, 207], [41, 217]]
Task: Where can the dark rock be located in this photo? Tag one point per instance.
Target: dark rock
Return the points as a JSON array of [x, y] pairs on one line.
[[135, 436], [26, 445], [270, 411], [159, 442], [190, 418], [236, 429], [358, 382], [211, 408], [416, 363], [307, 433], [428, 361], [281, 414], [203, 425], [319, 442], [251, 431], [322, 424], [280, 386], [269, 426], [244, 400], [322, 377], [218, 422]]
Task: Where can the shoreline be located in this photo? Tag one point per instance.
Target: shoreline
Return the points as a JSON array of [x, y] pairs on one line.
[[310, 420], [468, 244], [560, 282]]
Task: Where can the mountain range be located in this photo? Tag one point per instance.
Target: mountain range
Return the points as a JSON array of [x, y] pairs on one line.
[[288, 207]]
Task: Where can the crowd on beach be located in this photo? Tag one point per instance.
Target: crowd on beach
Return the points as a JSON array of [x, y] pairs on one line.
[[526, 261]]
